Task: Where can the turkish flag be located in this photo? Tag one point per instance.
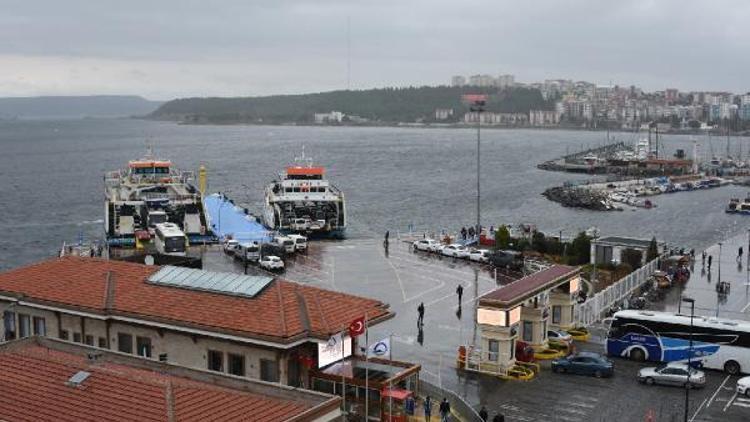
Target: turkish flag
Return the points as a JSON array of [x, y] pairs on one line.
[[357, 327]]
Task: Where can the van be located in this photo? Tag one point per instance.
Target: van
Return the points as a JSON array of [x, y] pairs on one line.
[[286, 242], [300, 242], [249, 251]]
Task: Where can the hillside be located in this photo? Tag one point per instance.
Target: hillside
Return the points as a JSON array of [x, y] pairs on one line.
[[388, 105], [66, 107]]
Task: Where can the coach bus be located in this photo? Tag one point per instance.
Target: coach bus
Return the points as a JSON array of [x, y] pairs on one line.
[[721, 344], [170, 240]]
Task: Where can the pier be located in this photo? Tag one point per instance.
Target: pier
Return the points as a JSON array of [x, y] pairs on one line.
[[229, 220]]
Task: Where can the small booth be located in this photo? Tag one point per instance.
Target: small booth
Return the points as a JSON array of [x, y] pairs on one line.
[[520, 311]]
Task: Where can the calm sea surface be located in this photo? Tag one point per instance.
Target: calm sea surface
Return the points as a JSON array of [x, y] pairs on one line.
[[51, 178]]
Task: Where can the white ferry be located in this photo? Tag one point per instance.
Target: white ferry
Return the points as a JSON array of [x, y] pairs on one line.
[[304, 201], [150, 192]]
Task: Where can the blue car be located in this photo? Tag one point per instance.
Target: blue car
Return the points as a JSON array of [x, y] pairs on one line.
[[584, 363]]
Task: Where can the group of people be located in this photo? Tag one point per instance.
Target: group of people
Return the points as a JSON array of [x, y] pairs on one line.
[[467, 233], [445, 411]]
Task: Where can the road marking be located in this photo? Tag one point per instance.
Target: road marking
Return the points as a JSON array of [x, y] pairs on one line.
[[729, 403], [698, 409], [398, 278], [746, 306], [717, 391], [742, 402]]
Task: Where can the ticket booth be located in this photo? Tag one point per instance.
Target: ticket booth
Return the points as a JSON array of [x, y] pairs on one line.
[[519, 311], [396, 404], [562, 301]]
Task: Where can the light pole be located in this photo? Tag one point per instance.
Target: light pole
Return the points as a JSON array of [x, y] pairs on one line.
[[719, 282], [690, 354], [479, 102]]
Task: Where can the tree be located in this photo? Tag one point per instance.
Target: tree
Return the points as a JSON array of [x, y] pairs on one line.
[[580, 249], [653, 250], [632, 257], [539, 242], [502, 237]]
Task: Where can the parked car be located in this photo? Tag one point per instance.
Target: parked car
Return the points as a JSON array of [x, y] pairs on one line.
[[429, 245], [480, 255], [271, 263], [555, 336], [584, 363], [672, 373], [512, 260], [743, 386], [455, 250], [230, 246]]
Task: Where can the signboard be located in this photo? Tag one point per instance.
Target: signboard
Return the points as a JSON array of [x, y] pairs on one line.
[[330, 351], [474, 98], [515, 315], [491, 317], [575, 284]]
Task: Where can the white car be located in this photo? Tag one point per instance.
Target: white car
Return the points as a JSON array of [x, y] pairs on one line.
[[230, 246], [429, 245], [743, 386], [559, 337], [271, 263], [480, 255], [455, 250]]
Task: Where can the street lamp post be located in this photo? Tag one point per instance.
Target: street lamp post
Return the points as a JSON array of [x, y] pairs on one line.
[[690, 354], [719, 282], [478, 107]]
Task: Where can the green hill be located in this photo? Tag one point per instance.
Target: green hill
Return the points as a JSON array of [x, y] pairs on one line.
[[387, 105]]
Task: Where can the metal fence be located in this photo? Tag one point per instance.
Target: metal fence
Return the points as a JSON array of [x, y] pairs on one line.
[[591, 311]]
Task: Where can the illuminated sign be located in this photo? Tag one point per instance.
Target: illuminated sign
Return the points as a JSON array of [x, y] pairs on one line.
[[575, 284], [515, 315], [474, 98], [491, 317], [331, 351]]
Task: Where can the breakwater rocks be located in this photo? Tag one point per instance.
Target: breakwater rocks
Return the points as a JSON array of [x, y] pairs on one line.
[[581, 198]]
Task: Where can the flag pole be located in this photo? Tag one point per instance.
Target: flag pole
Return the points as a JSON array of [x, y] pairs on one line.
[[367, 370], [343, 373]]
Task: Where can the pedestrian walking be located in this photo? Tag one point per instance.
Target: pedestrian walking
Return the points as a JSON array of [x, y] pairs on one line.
[[459, 292], [483, 414], [710, 259], [427, 409], [420, 313], [703, 258], [445, 410], [471, 232], [463, 233], [739, 254], [387, 235]]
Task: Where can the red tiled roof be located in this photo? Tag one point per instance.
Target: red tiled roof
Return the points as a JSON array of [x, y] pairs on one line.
[[523, 288], [283, 312], [34, 384]]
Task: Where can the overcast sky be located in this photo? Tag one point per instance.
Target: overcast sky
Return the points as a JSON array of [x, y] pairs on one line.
[[163, 49]]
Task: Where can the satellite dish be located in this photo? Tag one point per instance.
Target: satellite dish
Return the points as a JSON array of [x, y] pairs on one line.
[[149, 260]]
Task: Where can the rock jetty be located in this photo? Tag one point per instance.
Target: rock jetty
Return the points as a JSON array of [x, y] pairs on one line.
[[580, 198]]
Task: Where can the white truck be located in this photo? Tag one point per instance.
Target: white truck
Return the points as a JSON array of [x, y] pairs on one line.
[[286, 242], [300, 242]]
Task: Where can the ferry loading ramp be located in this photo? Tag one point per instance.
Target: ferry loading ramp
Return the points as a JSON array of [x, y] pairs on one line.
[[229, 220]]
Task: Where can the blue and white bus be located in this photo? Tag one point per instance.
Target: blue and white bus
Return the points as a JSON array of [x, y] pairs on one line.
[[721, 344]]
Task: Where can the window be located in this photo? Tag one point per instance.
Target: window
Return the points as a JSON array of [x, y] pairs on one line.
[[269, 370], [125, 343], [64, 335], [40, 326], [102, 342], [528, 331], [77, 337], [24, 325], [89, 340], [236, 364], [556, 314], [9, 323], [143, 345], [494, 350], [216, 361]]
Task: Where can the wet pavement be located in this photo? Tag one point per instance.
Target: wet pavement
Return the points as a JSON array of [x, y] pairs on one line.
[[404, 279]]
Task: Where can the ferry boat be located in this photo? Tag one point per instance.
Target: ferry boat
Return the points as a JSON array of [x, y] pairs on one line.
[[304, 201], [148, 192], [737, 207]]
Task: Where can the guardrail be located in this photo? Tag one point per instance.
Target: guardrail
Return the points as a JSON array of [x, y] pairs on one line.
[[459, 406], [593, 309]]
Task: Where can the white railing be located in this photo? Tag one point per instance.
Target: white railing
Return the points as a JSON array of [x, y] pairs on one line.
[[591, 311]]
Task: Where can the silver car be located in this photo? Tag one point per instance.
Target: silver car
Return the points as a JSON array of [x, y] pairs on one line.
[[673, 373]]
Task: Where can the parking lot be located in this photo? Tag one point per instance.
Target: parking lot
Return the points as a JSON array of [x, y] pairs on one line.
[[404, 279]]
